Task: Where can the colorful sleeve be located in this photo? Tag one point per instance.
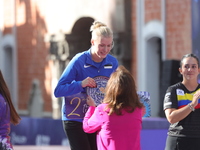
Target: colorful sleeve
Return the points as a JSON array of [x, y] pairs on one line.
[[170, 99], [2, 108]]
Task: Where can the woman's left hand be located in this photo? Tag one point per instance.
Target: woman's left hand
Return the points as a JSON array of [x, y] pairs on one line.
[[90, 82], [90, 101]]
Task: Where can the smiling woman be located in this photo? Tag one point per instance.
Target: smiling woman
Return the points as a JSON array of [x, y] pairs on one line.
[[182, 107], [77, 77], [102, 41]]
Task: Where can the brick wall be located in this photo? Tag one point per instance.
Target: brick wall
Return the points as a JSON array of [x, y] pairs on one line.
[[178, 28], [33, 56], [32, 50], [152, 10], [134, 39]]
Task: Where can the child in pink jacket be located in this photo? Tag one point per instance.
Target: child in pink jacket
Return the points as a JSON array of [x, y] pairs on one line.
[[118, 120]]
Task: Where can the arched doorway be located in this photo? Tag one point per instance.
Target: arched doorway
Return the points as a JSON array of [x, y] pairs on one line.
[[79, 39], [151, 52], [153, 72]]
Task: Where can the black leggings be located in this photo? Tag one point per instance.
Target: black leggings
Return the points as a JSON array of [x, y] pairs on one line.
[[182, 143], [78, 139]]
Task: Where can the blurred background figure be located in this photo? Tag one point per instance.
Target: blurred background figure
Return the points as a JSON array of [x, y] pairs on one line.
[[8, 115]]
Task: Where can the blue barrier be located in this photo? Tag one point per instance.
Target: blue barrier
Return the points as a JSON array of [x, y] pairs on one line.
[[154, 133], [45, 131]]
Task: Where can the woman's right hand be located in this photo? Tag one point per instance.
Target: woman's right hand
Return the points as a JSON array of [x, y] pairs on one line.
[[195, 99], [88, 82]]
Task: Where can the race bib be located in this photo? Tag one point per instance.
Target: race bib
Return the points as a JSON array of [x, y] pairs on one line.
[[75, 106]]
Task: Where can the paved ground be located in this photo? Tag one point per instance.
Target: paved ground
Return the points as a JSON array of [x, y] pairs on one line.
[[41, 147]]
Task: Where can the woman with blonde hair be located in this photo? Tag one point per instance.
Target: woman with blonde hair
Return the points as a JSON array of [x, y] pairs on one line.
[[77, 77]]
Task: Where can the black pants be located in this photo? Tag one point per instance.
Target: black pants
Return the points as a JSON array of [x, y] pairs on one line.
[[78, 139], [182, 143]]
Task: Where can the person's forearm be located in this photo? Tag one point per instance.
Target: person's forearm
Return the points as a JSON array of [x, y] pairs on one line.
[[179, 114]]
